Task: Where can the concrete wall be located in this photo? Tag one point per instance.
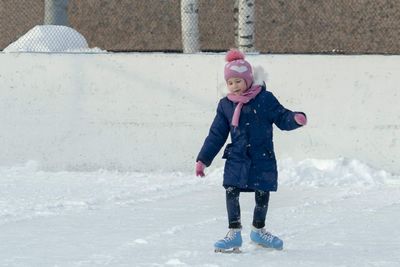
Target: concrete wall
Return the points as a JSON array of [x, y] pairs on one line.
[[152, 111]]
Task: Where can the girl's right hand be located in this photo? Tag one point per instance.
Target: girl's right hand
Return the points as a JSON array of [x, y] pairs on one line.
[[200, 166]]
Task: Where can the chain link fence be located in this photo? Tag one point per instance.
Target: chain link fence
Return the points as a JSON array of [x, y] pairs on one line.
[[301, 26]]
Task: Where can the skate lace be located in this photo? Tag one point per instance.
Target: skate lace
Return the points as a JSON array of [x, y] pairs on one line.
[[230, 235], [266, 235]]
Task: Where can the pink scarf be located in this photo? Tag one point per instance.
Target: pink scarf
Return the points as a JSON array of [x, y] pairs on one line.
[[242, 99]]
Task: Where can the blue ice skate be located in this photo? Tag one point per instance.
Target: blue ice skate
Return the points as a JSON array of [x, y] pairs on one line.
[[265, 239], [231, 243]]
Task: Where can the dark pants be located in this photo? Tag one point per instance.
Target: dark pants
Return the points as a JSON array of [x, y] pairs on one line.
[[233, 207]]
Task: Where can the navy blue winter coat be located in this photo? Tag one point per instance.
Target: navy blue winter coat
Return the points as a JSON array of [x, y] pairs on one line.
[[250, 159]]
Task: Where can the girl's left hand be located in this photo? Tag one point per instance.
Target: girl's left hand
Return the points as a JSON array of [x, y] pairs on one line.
[[300, 119]]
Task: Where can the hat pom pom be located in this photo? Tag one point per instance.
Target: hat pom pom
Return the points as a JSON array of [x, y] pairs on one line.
[[234, 54]]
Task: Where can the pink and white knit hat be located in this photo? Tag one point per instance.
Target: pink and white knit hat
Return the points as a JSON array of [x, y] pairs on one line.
[[238, 67]]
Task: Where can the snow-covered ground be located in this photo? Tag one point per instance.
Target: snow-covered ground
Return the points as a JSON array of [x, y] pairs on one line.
[[328, 212]]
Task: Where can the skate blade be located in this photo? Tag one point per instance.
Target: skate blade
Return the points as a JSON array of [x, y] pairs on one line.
[[229, 251], [266, 247]]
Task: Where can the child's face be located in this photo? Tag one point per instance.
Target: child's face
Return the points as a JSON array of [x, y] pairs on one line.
[[236, 86]]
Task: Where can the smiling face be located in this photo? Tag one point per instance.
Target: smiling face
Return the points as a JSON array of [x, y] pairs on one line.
[[236, 86]]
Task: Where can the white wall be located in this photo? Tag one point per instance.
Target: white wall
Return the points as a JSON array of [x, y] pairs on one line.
[[152, 111]]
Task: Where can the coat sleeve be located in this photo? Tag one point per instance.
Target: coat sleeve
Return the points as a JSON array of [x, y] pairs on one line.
[[282, 117], [216, 138]]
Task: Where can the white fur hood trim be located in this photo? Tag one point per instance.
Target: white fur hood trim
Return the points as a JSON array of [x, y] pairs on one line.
[[259, 75]]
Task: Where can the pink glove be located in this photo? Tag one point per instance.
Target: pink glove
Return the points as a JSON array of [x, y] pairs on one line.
[[300, 119], [200, 166]]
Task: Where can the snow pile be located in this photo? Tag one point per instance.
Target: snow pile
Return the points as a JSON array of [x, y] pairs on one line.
[[340, 172], [319, 173], [51, 38]]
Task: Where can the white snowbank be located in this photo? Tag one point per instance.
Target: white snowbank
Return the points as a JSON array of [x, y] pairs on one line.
[[340, 172], [51, 38]]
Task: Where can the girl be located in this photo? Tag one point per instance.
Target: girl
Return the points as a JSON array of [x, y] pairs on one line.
[[247, 113]]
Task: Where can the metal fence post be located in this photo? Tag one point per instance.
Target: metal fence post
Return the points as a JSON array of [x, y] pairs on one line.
[[246, 25], [190, 26], [56, 12]]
